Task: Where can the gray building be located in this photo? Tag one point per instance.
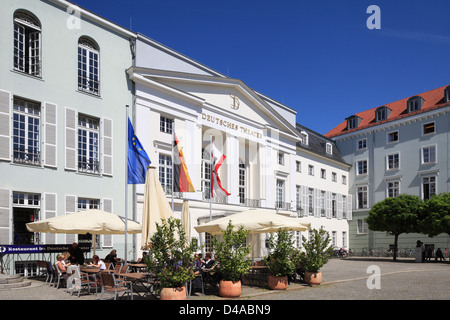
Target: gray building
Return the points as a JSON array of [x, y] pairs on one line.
[[63, 93], [398, 148]]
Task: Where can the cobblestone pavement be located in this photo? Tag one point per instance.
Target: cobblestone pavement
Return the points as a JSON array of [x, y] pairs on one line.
[[343, 279]]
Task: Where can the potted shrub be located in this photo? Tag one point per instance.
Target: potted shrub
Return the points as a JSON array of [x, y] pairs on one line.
[[170, 258], [232, 254], [316, 255], [280, 261]]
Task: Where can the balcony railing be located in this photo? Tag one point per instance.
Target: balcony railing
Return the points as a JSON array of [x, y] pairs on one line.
[[252, 203], [280, 205]]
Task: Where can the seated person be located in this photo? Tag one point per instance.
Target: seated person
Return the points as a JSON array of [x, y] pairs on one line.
[[144, 256], [209, 263], [96, 262], [61, 266], [112, 257], [439, 255]]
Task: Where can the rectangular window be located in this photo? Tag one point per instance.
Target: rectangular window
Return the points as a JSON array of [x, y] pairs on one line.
[[362, 195], [165, 172], [280, 194], [428, 154], [281, 158], [298, 166], [392, 137], [361, 167], [242, 183], [26, 132], [26, 208], [311, 201], [393, 161], [88, 144], [329, 148], [206, 174], [323, 173], [361, 144], [429, 128], [362, 227], [333, 205], [310, 170], [344, 180], [393, 189], [428, 187], [322, 203], [165, 125], [334, 176]]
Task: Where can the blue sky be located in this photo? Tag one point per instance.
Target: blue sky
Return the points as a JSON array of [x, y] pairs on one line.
[[317, 57]]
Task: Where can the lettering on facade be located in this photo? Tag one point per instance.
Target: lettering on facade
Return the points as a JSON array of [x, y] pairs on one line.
[[236, 103], [230, 125]]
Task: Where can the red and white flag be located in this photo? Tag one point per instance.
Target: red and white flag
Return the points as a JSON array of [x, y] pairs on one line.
[[217, 159]]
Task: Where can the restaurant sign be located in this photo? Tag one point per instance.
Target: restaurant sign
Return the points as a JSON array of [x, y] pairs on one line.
[[40, 248]]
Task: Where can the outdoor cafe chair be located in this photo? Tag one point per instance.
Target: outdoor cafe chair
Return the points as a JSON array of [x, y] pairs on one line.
[[198, 277], [111, 285], [59, 277]]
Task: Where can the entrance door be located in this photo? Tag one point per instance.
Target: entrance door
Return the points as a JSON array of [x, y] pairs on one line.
[[22, 216]]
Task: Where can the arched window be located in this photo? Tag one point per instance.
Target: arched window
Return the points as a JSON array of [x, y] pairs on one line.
[[27, 43], [88, 66]]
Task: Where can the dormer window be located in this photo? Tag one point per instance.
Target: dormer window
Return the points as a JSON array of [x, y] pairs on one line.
[[304, 138], [447, 94], [353, 122], [415, 104], [382, 113], [329, 148]]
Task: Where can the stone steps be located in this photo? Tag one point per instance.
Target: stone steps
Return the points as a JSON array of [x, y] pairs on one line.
[[8, 282]]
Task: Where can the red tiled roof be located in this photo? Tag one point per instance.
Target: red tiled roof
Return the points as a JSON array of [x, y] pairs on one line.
[[433, 99]]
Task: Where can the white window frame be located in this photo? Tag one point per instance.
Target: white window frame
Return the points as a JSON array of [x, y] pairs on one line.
[[365, 190], [394, 186], [91, 126], [431, 183], [25, 114], [27, 44], [361, 227], [281, 158], [429, 155], [361, 173], [280, 193], [329, 148], [310, 170], [390, 134], [166, 124], [361, 144], [393, 162], [88, 66], [429, 133], [298, 166], [165, 172]]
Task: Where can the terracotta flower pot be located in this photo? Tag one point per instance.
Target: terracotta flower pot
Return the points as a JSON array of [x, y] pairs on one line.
[[313, 278], [278, 283], [230, 289], [173, 293]]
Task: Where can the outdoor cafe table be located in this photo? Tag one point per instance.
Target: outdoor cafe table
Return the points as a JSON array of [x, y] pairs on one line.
[[137, 266], [257, 276], [144, 279]]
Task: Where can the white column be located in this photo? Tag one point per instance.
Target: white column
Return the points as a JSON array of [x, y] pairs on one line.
[[233, 172]]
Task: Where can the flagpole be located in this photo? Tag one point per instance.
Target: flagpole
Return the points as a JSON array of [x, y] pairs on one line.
[[210, 177], [173, 176], [126, 184]]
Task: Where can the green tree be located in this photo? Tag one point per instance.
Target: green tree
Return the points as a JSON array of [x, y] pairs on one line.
[[232, 253], [280, 259], [435, 218], [171, 255], [396, 215], [317, 250]]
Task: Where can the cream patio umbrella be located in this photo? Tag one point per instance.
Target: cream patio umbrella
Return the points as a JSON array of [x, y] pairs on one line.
[[91, 221], [256, 221], [156, 206], [186, 219]]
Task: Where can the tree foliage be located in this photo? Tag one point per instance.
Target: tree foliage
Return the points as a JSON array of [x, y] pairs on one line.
[[232, 253], [279, 260], [435, 218], [171, 255], [396, 215], [317, 250]]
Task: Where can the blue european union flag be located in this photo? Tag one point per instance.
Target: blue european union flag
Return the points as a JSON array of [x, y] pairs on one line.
[[138, 159]]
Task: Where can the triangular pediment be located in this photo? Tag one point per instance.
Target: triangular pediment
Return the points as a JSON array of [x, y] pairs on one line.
[[225, 96]]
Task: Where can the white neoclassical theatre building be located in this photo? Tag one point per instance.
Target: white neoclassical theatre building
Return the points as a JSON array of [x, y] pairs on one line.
[[271, 161]]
